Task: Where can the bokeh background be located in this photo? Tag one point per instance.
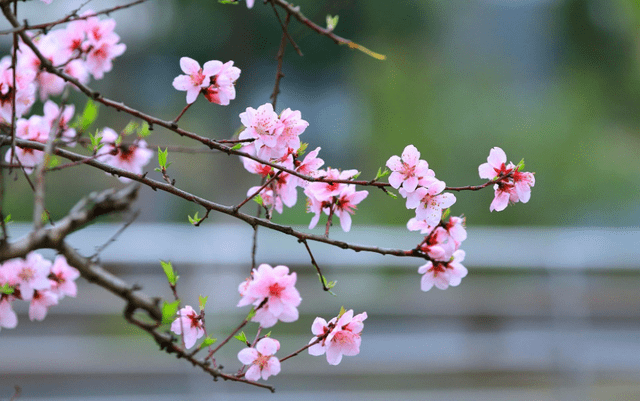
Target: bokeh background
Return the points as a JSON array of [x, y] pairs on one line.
[[556, 82]]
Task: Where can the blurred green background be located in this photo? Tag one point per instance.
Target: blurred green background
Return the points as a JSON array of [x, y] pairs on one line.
[[556, 82]]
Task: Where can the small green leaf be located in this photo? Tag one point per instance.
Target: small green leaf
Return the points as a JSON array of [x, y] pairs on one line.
[[202, 301], [381, 173], [118, 141], [342, 312], [520, 165], [391, 194], [208, 341], [95, 141], [268, 334], [235, 2], [162, 157], [331, 284], [172, 277], [241, 337], [88, 116], [7, 219], [302, 149], [7, 289], [53, 162], [169, 311], [144, 131], [236, 146], [332, 22], [258, 199], [130, 128], [355, 177], [446, 214], [251, 314], [194, 220], [44, 217]]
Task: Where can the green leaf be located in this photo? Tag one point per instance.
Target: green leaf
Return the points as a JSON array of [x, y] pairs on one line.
[[332, 22], [381, 173], [53, 162], [355, 177], [202, 301], [44, 217], [118, 141], [88, 116], [258, 199], [342, 312], [95, 141], [7, 289], [446, 214], [162, 157], [144, 130], [194, 220], [234, 2], [236, 146], [172, 277], [7, 219], [302, 148], [169, 311], [208, 341], [268, 334], [251, 314], [391, 194], [520, 165], [130, 128], [241, 337]]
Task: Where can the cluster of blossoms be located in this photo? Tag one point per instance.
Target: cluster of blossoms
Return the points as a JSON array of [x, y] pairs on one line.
[[38, 128], [512, 185], [340, 336], [274, 289], [85, 47], [37, 281], [215, 80], [276, 138]]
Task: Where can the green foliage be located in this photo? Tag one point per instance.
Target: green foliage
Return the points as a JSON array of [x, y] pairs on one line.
[[241, 337], [381, 174], [172, 277], [88, 116], [202, 301], [169, 311], [194, 220], [236, 146], [332, 22], [327, 284], [95, 141], [208, 341], [258, 199], [342, 312], [7, 219], [7, 289]]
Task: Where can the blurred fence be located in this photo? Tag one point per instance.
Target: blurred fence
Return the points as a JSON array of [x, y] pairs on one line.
[[543, 314]]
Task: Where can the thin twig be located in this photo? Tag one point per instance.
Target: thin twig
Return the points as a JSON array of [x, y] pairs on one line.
[[285, 32], [175, 121], [256, 192], [280, 57], [115, 235], [315, 264]]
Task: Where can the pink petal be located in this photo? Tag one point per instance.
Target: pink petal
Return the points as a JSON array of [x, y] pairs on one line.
[[486, 171], [497, 157], [189, 66], [410, 155], [394, 163], [395, 179], [182, 82], [253, 373], [334, 355], [247, 355], [212, 67]]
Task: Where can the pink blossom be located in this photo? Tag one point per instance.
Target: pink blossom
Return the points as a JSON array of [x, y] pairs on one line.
[[323, 191], [250, 3], [222, 89], [131, 157], [8, 318], [504, 193], [443, 274], [439, 245], [428, 202], [423, 226], [277, 286], [263, 363], [346, 204], [52, 113], [292, 126], [197, 78], [28, 274], [64, 277], [100, 57], [523, 182], [495, 165], [341, 336], [309, 166], [264, 126], [189, 325], [40, 304], [456, 229], [408, 170]]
